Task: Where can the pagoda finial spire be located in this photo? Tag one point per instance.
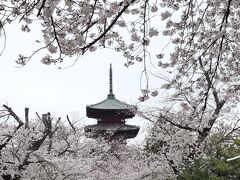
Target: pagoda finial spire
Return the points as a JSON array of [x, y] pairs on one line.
[[110, 95]]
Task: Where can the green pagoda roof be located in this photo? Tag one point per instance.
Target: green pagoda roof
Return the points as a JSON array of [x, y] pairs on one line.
[[111, 107], [111, 114], [112, 104]]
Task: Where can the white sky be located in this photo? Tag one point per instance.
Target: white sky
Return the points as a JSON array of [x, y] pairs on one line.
[[45, 88]]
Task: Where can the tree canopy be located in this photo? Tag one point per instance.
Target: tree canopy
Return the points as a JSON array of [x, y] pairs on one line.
[[200, 71]]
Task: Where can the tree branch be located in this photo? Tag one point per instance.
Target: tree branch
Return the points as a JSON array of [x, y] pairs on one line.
[[20, 124], [70, 123], [108, 28]]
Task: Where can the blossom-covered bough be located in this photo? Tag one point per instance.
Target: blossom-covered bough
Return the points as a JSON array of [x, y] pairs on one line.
[[74, 27], [201, 73], [49, 149], [204, 33]]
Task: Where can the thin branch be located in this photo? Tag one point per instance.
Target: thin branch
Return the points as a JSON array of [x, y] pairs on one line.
[[171, 164], [12, 113], [38, 116], [147, 118], [56, 37], [26, 118], [89, 24], [108, 28], [51, 134], [186, 127], [30, 9], [41, 7], [70, 123], [20, 124]]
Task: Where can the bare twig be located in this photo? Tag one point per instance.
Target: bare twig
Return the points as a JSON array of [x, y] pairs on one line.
[[70, 123], [26, 118], [108, 28], [12, 113], [41, 7], [20, 124]]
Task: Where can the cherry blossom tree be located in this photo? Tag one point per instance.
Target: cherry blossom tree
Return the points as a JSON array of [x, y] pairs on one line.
[[184, 147], [49, 149], [75, 27], [219, 159], [204, 34], [201, 73]]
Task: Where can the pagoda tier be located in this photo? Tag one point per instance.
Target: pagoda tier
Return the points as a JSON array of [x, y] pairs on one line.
[[111, 114], [111, 111], [115, 130]]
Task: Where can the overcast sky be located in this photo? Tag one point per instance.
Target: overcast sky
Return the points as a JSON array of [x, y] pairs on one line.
[[45, 88]]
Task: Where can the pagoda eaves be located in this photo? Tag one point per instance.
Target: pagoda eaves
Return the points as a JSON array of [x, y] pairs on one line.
[[111, 114]]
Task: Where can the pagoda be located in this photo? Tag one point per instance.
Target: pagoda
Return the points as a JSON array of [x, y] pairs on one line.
[[111, 114]]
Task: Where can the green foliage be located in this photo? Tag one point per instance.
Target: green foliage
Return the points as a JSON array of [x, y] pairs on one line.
[[215, 165], [197, 172]]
